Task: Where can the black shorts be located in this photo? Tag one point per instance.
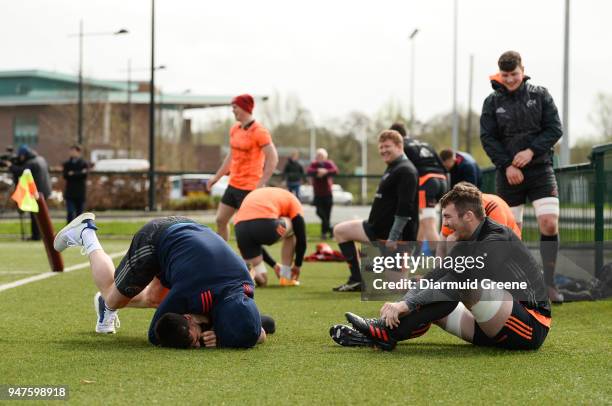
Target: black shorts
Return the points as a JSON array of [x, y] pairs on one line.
[[409, 233], [252, 234], [539, 182], [521, 332], [233, 197], [431, 191], [141, 264]]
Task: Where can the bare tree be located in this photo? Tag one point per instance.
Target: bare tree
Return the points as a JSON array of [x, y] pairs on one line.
[[601, 117]]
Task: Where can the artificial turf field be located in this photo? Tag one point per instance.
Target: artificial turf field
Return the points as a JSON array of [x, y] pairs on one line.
[[47, 338]]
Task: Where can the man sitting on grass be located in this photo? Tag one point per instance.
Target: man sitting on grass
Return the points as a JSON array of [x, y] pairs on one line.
[[485, 314], [201, 288]]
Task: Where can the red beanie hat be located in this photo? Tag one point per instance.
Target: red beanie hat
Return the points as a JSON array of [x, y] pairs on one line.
[[245, 102]]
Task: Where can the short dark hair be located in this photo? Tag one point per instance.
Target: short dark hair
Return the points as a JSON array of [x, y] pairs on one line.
[[447, 154], [509, 60], [399, 127], [76, 147], [466, 197], [172, 330]]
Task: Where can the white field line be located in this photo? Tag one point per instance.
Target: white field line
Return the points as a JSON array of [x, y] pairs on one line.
[[46, 275]]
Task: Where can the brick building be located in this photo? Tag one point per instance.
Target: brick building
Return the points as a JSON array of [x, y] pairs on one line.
[[39, 108]]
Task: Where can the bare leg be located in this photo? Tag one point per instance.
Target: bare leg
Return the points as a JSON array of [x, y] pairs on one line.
[[490, 308], [103, 272], [258, 270], [288, 250], [151, 296], [459, 323], [224, 214]]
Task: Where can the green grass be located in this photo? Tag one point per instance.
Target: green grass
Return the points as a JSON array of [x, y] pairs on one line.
[[9, 230], [46, 338]]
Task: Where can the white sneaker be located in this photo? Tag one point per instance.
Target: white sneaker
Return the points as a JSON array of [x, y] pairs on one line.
[[70, 235], [106, 322]]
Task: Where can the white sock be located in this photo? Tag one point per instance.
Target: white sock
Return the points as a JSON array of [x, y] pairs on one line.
[[285, 271], [260, 269], [90, 241]]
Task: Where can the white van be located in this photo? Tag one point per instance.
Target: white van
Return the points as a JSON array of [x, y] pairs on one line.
[[121, 165]]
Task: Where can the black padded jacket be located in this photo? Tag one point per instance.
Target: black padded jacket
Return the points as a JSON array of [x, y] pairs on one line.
[[513, 121]]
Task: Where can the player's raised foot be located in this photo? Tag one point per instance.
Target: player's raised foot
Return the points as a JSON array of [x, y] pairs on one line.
[[348, 287], [71, 234], [374, 329], [349, 337], [107, 321], [288, 282]]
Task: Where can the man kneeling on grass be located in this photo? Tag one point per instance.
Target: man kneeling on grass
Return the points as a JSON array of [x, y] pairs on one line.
[[483, 313], [201, 288]]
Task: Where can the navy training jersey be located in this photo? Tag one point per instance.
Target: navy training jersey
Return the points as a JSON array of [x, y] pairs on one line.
[[199, 267]]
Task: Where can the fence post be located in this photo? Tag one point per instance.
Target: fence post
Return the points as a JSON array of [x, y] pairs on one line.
[[597, 157]]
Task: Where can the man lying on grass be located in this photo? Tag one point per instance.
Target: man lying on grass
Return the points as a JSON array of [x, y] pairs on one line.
[[201, 288], [483, 313]]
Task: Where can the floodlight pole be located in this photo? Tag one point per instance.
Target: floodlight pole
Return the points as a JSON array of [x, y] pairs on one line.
[[412, 67], [565, 144], [152, 114], [81, 34], [455, 133], [80, 112]]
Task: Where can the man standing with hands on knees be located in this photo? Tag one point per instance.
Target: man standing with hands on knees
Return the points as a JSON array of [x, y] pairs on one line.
[[519, 127], [250, 162]]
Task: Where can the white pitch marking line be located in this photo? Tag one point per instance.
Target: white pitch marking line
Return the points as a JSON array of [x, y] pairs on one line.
[[46, 275]]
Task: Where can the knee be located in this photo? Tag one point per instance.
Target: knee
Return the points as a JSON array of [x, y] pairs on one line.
[[549, 225]]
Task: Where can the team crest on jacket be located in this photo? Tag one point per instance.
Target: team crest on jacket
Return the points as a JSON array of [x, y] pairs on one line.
[[500, 110], [531, 103]]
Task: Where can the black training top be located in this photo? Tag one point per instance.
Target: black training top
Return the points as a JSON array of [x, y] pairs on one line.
[[497, 254], [423, 156], [396, 196], [514, 121]]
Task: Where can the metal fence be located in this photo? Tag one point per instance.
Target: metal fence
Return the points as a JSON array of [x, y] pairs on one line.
[[584, 193], [585, 196]]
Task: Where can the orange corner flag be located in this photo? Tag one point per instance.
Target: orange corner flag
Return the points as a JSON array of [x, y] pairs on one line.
[[26, 192]]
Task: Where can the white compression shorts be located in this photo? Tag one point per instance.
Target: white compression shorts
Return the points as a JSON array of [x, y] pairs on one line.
[[517, 211], [546, 205], [428, 213]]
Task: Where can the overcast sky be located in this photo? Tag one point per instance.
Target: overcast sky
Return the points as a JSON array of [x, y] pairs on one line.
[[337, 56]]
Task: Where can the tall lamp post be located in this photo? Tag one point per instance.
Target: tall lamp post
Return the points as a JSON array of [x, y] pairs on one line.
[[565, 145], [152, 115], [455, 132], [82, 34], [412, 65]]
